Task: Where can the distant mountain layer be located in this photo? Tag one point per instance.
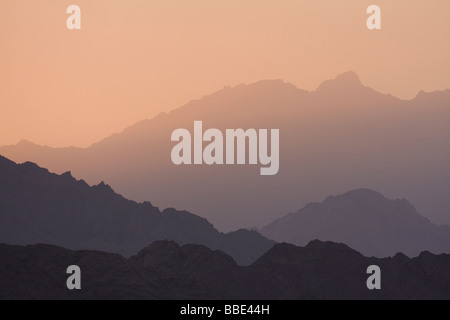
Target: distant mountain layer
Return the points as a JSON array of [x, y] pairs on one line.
[[342, 136], [321, 270], [366, 221], [40, 207]]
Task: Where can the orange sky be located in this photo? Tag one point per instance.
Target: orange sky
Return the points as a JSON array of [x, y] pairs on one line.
[[135, 58]]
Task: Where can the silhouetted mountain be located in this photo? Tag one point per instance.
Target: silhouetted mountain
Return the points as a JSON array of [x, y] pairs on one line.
[[321, 270], [40, 207], [366, 221], [337, 138]]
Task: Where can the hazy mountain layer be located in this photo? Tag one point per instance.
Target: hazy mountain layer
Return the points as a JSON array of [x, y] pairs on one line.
[[40, 207], [366, 221], [340, 137]]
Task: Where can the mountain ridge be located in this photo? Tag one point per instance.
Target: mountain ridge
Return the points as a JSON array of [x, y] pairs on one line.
[[39, 206], [331, 140], [165, 270], [365, 220], [346, 78]]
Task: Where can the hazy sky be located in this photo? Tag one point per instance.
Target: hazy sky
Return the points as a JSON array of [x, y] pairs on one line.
[[135, 58]]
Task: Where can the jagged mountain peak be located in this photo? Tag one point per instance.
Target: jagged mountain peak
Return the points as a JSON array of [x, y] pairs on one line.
[[345, 81]]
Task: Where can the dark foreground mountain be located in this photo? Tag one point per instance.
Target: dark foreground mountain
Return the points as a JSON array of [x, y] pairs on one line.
[[40, 207], [366, 221], [321, 270], [337, 138]]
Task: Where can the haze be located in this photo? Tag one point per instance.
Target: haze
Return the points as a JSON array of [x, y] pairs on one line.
[[135, 59]]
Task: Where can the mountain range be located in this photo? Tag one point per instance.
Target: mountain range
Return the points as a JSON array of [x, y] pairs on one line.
[[339, 137], [164, 270], [37, 206], [366, 221]]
